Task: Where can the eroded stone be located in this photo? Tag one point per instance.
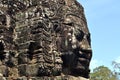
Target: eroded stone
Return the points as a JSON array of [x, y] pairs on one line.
[[42, 39]]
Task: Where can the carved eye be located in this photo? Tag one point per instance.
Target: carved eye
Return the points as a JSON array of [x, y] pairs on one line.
[[68, 22], [1, 30], [56, 27], [79, 34]]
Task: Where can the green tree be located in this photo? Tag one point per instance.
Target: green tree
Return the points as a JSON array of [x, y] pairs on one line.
[[102, 73]]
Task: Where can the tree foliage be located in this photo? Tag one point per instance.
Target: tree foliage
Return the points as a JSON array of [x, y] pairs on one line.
[[102, 73]]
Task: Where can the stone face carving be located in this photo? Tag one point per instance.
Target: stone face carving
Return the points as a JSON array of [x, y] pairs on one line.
[[41, 38]]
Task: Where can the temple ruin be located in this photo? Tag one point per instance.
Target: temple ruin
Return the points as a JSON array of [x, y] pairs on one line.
[[44, 40]]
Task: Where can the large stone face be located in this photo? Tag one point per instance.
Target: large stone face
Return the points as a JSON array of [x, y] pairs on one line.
[[44, 39]]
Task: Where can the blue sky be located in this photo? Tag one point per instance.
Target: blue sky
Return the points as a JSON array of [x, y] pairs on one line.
[[103, 17]]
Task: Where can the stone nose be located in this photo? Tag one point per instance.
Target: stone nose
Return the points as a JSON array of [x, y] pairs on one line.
[[85, 43], [85, 47]]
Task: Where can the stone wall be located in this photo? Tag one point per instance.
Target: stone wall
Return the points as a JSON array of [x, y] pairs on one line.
[[43, 40]]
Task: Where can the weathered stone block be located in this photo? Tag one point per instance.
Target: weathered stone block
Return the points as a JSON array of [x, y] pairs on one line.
[[4, 70]]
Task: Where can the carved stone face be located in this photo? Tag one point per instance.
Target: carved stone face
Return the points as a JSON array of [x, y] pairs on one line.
[[77, 51], [51, 34]]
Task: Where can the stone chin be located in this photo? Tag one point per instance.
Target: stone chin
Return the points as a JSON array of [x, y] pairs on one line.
[[76, 62]]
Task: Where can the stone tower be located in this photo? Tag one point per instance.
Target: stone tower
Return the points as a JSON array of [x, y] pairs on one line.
[[43, 40]]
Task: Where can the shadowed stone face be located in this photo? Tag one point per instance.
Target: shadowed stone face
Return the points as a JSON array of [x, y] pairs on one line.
[[44, 38]]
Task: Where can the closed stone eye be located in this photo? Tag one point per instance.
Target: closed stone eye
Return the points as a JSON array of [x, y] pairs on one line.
[[79, 34]]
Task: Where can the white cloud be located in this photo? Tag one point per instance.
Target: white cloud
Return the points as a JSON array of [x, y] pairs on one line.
[[117, 59]]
